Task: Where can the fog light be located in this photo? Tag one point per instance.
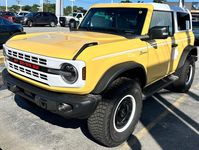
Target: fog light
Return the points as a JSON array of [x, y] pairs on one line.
[[64, 107]]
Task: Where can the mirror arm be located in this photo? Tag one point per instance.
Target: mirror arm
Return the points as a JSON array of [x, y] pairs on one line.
[[144, 37]]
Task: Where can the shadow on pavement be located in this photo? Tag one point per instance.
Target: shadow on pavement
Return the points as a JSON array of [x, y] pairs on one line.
[[134, 143], [193, 95], [169, 133], [51, 117]]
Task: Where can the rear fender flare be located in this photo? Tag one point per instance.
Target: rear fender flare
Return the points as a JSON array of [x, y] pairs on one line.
[[188, 51]]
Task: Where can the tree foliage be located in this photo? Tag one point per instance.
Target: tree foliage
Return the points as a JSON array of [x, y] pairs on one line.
[[126, 1], [47, 8], [68, 9], [159, 1]]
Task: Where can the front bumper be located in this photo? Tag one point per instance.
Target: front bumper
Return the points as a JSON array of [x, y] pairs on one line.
[[67, 105]]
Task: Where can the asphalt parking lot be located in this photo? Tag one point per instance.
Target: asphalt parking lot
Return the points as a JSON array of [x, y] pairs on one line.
[[169, 121]]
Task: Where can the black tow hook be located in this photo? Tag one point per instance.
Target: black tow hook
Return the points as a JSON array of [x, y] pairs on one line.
[[13, 88]]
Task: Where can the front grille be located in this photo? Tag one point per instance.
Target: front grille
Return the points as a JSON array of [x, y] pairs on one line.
[[37, 75], [28, 58]]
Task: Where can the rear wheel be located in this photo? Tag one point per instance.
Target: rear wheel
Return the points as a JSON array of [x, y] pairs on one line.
[[186, 76], [62, 25], [52, 24], [72, 23], [117, 114], [30, 23]]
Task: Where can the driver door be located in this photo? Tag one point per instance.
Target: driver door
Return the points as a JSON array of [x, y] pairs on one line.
[[159, 50], [38, 18]]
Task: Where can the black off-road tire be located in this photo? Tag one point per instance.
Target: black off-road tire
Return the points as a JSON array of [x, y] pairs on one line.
[[102, 123], [186, 75]]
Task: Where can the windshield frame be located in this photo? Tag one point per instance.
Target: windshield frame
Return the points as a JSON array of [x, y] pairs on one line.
[[115, 30]]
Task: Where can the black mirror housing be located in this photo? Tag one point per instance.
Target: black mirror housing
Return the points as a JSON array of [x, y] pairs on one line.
[[159, 32]]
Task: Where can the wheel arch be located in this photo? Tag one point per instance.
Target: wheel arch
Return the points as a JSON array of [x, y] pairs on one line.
[[189, 51], [72, 19], [127, 69]]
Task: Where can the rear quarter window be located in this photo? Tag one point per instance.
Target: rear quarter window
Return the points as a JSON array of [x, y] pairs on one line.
[[183, 20]]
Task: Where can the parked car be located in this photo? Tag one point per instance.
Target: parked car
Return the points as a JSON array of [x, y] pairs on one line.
[[22, 13], [71, 18], [40, 18], [8, 29], [196, 32], [8, 15]]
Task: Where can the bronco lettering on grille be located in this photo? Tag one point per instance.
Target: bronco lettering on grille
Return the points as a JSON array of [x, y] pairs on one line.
[[26, 64]]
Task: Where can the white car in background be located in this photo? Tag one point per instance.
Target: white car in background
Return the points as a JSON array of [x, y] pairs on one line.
[[22, 13], [71, 18]]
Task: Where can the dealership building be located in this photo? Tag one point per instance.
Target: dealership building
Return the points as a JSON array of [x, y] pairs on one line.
[[192, 6]]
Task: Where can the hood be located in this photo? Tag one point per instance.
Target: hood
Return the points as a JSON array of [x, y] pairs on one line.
[[59, 44]]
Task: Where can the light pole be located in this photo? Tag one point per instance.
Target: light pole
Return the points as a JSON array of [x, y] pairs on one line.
[[41, 5], [6, 5], [72, 5], [181, 3]]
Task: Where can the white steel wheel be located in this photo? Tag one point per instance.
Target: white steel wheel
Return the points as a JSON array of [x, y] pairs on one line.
[[189, 74], [124, 113]]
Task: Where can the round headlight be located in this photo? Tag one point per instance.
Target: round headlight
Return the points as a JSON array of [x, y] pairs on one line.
[[69, 73]]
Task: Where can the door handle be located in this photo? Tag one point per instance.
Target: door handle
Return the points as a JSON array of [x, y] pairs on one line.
[[174, 45]]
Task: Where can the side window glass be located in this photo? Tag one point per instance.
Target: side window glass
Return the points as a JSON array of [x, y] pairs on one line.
[[46, 14], [161, 18], [37, 15], [1, 22], [6, 22], [79, 16], [183, 21]]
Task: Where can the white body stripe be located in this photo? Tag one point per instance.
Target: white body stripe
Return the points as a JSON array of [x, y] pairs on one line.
[[135, 50]]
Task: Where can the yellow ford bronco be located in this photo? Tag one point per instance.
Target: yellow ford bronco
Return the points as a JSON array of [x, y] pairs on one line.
[[119, 55]]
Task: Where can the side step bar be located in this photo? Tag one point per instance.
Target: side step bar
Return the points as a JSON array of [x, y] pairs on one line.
[[157, 86]]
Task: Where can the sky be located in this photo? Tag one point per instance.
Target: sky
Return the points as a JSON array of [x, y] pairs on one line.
[[83, 3]]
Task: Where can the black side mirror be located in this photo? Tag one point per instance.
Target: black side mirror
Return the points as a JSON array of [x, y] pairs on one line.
[[159, 32], [73, 25]]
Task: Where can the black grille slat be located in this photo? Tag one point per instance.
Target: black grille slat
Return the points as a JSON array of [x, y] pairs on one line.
[[28, 58]]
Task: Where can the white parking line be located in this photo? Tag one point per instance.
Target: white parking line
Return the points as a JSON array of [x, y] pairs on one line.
[[177, 116]]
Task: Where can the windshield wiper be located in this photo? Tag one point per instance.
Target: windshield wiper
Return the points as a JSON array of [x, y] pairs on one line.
[[128, 31]]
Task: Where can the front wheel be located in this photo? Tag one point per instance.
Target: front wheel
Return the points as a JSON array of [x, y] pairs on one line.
[[117, 114], [30, 23], [52, 24]]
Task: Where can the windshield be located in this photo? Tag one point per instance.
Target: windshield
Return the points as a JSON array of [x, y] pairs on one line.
[[31, 14], [72, 14], [115, 20]]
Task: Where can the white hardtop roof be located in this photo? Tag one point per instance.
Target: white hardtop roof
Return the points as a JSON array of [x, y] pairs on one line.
[[166, 7]]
